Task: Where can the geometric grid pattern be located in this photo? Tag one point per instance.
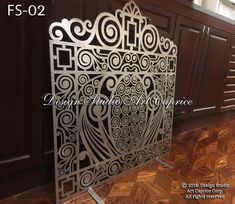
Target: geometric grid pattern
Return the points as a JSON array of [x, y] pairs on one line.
[[116, 72]]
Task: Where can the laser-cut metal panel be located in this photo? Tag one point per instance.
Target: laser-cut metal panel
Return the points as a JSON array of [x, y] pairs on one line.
[[120, 58]]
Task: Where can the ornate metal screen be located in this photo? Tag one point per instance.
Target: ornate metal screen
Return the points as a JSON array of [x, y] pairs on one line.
[[114, 76]]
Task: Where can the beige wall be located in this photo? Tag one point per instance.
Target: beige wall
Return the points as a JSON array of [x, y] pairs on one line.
[[217, 6], [226, 11]]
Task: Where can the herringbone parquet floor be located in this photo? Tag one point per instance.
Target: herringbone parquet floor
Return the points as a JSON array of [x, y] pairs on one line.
[[200, 156]]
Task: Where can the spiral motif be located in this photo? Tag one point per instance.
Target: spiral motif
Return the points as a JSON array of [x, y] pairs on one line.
[[174, 50], [134, 108], [127, 80], [126, 99], [145, 62], [65, 82], [109, 31], [125, 119], [133, 118], [98, 112], [88, 90], [104, 67], [86, 178], [114, 60], [57, 31], [66, 117], [128, 90], [134, 79], [83, 79], [170, 81], [125, 109], [85, 59], [118, 100], [67, 151], [79, 29], [134, 96], [139, 87], [140, 158], [163, 78], [72, 137], [142, 107], [147, 82], [120, 143], [117, 132], [113, 168], [96, 83], [116, 110], [121, 88], [110, 83], [140, 127], [133, 128], [160, 86], [165, 45], [150, 38], [163, 64], [134, 58], [115, 122], [142, 116], [137, 137], [127, 57]]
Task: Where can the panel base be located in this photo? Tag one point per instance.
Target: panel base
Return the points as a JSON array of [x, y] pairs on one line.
[[164, 164], [95, 196]]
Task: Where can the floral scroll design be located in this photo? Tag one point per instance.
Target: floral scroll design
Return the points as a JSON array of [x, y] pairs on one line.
[[120, 56]]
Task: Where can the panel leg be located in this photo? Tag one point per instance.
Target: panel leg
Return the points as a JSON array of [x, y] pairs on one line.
[[95, 196], [164, 163]]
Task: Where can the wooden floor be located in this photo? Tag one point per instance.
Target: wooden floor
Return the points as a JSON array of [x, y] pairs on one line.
[[205, 155]]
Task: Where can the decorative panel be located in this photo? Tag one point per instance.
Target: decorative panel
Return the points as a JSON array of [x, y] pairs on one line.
[[110, 79]]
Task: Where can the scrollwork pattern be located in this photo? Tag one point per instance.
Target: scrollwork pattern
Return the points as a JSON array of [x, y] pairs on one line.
[[118, 65], [109, 31]]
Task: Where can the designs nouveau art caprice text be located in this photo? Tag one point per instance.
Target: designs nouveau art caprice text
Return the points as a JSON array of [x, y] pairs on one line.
[[50, 99]]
